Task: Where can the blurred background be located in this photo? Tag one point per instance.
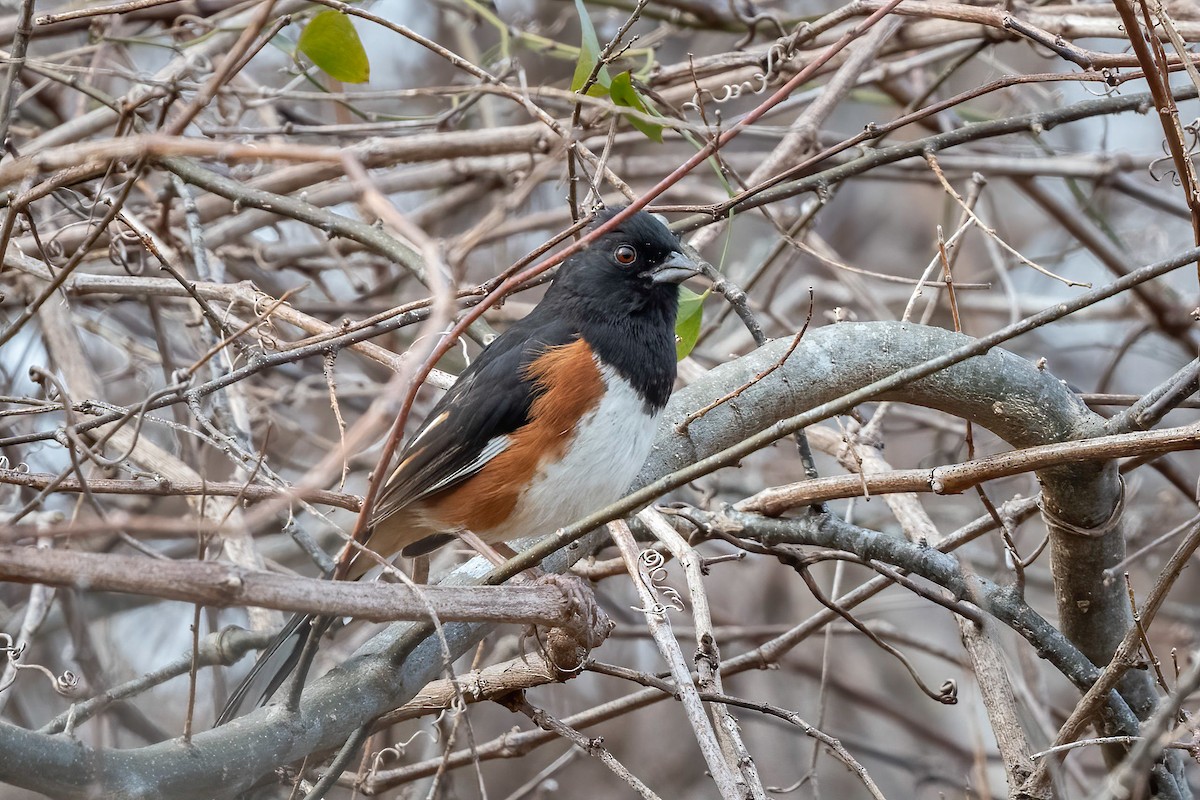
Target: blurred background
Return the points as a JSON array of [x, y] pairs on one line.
[[1062, 201]]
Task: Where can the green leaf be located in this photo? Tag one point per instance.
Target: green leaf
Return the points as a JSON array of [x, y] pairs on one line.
[[329, 39], [589, 53], [687, 321], [623, 94]]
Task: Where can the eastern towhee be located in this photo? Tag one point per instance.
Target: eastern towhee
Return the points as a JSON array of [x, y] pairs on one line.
[[554, 418]]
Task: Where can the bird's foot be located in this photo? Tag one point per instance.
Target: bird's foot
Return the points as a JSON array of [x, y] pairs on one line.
[[585, 624]]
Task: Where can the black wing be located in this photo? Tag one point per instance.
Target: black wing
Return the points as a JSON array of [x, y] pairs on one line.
[[469, 425]]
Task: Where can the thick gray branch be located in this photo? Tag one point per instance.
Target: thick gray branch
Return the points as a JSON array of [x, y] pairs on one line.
[[1002, 392]]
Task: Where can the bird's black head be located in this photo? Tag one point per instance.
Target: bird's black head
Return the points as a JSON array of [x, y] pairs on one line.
[[635, 267], [622, 294]]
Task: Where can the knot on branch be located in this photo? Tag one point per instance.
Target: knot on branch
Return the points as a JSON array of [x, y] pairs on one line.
[[585, 625], [230, 644]]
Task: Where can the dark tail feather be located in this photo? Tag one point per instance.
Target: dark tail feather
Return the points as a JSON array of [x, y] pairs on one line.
[[427, 545], [310, 628], [299, 623]]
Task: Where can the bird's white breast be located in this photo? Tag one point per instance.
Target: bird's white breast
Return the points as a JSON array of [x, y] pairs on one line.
[[609, 446]]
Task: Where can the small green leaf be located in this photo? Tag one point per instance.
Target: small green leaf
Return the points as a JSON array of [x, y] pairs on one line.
[[687, 321], [623, 94], [329, 39], [589, 53]]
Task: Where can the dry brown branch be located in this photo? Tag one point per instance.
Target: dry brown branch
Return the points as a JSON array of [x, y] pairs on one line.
[[957, 478], [223, 585], [708, 653], [166, 487], [730, 780]]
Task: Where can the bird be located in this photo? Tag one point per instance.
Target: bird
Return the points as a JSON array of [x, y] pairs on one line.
[[551, 421], [556, 416]]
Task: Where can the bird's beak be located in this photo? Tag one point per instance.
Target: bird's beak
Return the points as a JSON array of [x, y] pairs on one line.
[[677, 268]]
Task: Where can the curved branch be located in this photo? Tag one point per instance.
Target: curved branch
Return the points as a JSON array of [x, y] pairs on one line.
[[1002, 392], [957, 478]]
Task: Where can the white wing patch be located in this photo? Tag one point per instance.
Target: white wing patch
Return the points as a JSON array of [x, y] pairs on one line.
[[493, 448]]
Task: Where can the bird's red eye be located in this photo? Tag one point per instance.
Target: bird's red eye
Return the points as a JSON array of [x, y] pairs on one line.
[[625, 255]]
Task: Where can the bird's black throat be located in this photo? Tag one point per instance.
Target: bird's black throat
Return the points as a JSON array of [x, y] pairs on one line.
[[640, 346]]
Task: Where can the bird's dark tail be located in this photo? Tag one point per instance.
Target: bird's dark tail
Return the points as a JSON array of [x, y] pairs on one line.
[[304, 628], [424, 547], [307, 629]]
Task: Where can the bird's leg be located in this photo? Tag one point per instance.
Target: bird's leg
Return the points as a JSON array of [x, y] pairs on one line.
[[483, 548], [496, 553], [584, 627], [420, 569]]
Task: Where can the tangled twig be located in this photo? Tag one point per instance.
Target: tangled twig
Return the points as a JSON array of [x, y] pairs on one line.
[[652, 573]]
